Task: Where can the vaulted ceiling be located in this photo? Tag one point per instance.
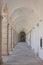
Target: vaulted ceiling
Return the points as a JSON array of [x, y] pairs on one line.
[[25, 13]]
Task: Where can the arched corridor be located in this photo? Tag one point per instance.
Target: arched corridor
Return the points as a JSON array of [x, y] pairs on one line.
[[21, 32]]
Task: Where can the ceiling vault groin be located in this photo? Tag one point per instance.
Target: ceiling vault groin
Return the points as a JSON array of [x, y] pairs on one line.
[[25, 14]]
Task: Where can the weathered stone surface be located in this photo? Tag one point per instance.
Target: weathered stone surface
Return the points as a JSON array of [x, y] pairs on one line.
[[9, 38], [4, 34]]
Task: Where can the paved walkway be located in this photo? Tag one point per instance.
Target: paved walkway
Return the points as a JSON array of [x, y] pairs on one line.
[[23, 55]]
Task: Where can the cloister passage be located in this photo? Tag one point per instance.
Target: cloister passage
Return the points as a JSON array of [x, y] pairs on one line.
[[21, 32]]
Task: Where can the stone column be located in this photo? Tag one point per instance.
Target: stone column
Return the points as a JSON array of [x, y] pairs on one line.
[[0, 35], [9, 42], [8, 38], [12, 38], [0, 41], [4, 30]]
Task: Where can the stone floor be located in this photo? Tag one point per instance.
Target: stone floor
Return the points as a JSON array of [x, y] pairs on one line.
[[22, 54]]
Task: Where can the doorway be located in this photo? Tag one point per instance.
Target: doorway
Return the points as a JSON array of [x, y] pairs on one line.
[[22, 36]]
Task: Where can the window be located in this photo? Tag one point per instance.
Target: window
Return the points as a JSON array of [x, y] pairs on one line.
[[41, 42]]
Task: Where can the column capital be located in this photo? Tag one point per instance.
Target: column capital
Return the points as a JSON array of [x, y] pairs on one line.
[[5, 9]]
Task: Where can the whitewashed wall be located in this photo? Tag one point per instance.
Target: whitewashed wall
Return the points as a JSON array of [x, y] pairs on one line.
[[32, 39], [36, 34], [41, 35], [28, 38], [35, 39]]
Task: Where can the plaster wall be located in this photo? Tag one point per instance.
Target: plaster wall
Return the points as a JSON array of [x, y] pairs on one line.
[[36, 34], [41, 35], [28, 39]]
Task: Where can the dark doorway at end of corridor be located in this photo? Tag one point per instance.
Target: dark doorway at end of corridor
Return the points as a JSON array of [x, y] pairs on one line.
[[22, 36]]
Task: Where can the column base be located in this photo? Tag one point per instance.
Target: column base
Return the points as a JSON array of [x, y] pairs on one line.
[[1, 62]]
